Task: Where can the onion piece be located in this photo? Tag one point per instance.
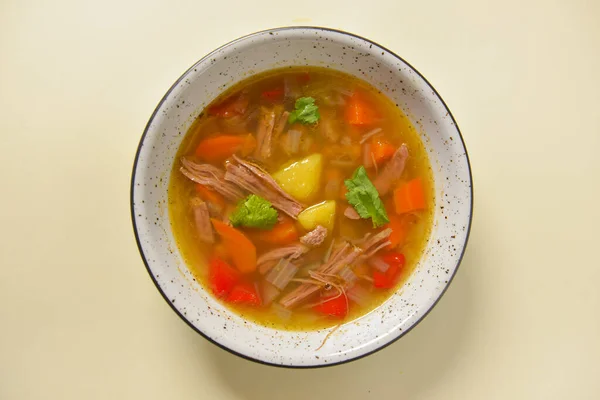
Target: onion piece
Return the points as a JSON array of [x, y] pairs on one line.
[[328, 252], [348, 276], [291, 89], [358, 294], [292, 141], [307, 144], [281, 274], [268, 292], [378, 264], [282, 312]]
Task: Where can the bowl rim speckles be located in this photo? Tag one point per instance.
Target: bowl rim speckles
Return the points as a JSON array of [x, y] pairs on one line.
[[255, 342]]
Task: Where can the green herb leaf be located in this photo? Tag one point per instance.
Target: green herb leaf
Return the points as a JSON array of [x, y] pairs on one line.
[[254, 212], [364, 198], [306, 112]]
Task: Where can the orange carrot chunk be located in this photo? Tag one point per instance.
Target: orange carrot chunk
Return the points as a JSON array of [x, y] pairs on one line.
[[399, 229], [210, 196], [410, 197], [284, 232], [219, 148], [382, 150], [241, 250], [359, 111]]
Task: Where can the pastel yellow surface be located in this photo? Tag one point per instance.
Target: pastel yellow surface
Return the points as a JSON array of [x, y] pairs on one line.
[[80, 317]]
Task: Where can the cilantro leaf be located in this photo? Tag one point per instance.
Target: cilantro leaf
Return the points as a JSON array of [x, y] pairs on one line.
[[254, 212], [306, 112], [363, 196]]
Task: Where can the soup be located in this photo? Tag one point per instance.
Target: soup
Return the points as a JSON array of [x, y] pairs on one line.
[[301, 198]]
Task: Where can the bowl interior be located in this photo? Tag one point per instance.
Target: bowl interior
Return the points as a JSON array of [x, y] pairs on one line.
[[292, 47]]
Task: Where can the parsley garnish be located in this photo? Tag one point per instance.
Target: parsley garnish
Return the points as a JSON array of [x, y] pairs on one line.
[[363, 196], [306, 112], [254, 212]]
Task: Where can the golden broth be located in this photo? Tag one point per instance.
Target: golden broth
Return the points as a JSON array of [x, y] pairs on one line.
[[329, 88]]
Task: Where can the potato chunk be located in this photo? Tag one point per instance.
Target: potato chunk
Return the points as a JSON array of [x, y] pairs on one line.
[[320, 214], [301, 179]]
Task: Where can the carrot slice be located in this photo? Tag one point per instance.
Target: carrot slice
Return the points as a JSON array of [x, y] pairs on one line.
[[410, 197], [221, 147], [359, 111], [240, 248], [211, 196], [382, 150], [284, 232]]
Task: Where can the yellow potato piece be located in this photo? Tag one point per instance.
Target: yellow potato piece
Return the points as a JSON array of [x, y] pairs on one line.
[[301, 179], [320, 214]]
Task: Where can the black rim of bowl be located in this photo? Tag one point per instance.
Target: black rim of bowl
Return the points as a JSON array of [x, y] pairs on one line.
[[139, 245]]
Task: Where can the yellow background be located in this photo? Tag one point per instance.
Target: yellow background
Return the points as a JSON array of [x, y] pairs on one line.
[[81, 319]]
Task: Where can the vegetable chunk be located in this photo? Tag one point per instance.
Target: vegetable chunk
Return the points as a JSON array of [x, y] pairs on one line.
[[320, 214], [301, 179]]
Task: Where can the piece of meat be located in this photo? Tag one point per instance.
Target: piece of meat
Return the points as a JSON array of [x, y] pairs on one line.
[[281, 124], [341, 257], [392, 171], [264, 133], [346, 256], [202, 220], [314, 238], [212, 177], [351, 213], [269, 259], [376, 242], [254, 179]]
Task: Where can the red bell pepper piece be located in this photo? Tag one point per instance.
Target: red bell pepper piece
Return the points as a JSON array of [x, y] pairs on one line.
[[222, 278], [231, 106], [273, 95], [389, 278], [244, 293], [335, 307]]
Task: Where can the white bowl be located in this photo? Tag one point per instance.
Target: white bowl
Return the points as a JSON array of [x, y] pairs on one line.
[[276, 48]]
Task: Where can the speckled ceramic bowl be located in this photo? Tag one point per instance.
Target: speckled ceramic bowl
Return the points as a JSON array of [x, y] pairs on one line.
[[317, 47]]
